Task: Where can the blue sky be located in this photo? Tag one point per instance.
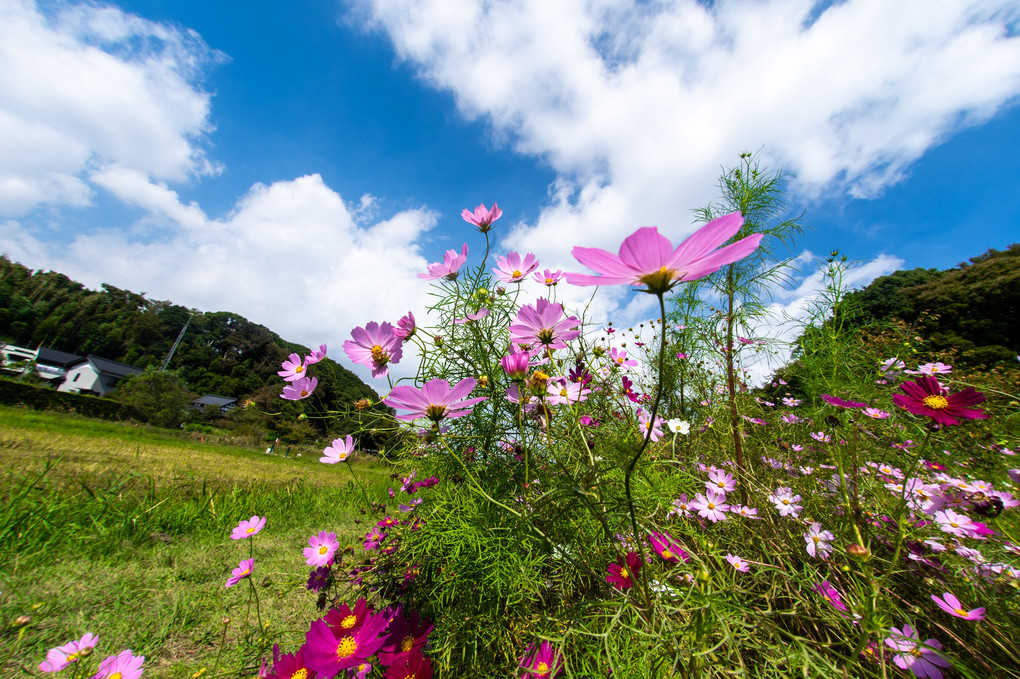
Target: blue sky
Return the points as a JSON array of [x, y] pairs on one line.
[[300, 166]]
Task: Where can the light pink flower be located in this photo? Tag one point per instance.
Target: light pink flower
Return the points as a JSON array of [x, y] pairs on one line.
[[293, 368], [953, 522], [316, 355], [124, 665], [921, 659], [300, 388], [512, 269], [481, 217], [406, 327], [338, 451], [738, 563], [951, 605], [721, 481], [712, 505], [819, 541], [320, 549], [561, 391], [434, 400], [786, 502], [648, 258], [375, 346], [449, 268], [548, 277], [60, 657], [248, 528], [649, 429], [471, 318], [242, 571], [544, 324]]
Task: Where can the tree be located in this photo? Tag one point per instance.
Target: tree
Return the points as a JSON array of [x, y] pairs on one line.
[[162, 396]]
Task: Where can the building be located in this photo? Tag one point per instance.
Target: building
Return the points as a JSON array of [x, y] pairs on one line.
[[50, 365], [95, 376], [224, 403]]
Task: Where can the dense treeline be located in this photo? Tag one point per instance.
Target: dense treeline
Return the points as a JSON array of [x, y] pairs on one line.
[[971, 309], [221, 352]]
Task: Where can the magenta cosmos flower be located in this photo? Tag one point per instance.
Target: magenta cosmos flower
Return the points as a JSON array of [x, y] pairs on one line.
[[242, 571], [841, 403], [951, 605], [542, 663], [293, 368], [648, 258], [316, 355], [124, 665], [248, 527], [512, 269], [60, 657], [330, 648], [544, 324], [406, 327], [666, 547], [830, 594], [435, 400], [481, 217], [450, 266], [321, 548], [338, 451], [300, 388], [927, 397], [376, 346], [621, 576]]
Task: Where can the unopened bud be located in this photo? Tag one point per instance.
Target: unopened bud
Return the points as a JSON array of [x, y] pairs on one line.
[[858, 552], [22, 620]]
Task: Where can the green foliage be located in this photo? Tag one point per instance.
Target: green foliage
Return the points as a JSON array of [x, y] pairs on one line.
[[43, 398], [161, 396]]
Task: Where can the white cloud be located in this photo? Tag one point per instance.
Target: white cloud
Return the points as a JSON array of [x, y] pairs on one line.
[[85, 86], [637, 106], [289, 256]]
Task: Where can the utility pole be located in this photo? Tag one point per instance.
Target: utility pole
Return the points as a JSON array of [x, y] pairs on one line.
[[170, 354]]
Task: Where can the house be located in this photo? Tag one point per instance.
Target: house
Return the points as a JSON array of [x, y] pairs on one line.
[[50, 365], [95, 376], [224, 403]]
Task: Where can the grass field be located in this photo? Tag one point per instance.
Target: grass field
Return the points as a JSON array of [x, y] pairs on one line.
[[123, 531]]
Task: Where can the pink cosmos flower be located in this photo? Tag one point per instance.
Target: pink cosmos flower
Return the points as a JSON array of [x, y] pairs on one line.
[[951, 605], [666, 546], [954, 523], [512, 269], [921, 659], [481, 217], [738, 563], [405, 327], [876, 413], [681, 507], [544, 324], [712, 505], [620, 360], [300, 388], [543, 663], [744, 511], [450, 267], [786, 502], [330, 648], [647, 257], [561, 391], [721, 481], [60, 657], [649, 429], [124, 665], [338, 451], [830, 594], [316, 355], [621, 576], [248, 528], [376, 346], [938, 368], [242, 571], [819, 542], [927, 397], [435, 400], [293, 368], [548, 277], [516, 363], [321, 548], [471, 318]]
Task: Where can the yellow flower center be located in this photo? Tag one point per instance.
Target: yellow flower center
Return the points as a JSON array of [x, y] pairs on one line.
[[71, 657], [916, 652], [960, 611], [548, 281], [661, 280], [300, 674], [623, 573], [299, 369], [304, 392], [541, 668], [346, 647], [435, 412], [250, 530], [516, 274], [406, 644], [711, 505], [379, 355], [816, 539], [349, 621], [563, 392], [935, 402], [115, 675], [786, 502], [245, 572], [666, 554], [323, 549]]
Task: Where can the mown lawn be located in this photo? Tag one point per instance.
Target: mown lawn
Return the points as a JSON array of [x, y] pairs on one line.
[[123, 531]]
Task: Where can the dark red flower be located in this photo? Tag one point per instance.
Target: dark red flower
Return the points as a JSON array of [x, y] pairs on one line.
[[405, 633], [411, 665], [927, 397]]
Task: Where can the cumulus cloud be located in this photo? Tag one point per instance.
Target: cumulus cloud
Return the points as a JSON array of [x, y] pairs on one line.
[[637, 105], [289, 256], [84, 86]]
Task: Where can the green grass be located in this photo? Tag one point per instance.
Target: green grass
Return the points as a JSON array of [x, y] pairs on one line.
[[123, 531]]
